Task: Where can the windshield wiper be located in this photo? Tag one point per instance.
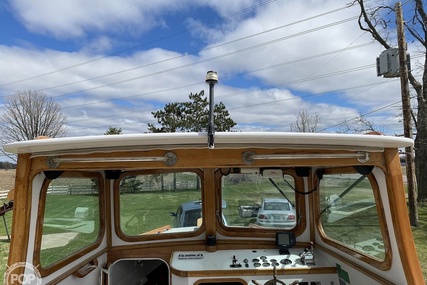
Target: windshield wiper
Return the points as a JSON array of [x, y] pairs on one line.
[[280, 190], [345, 192]]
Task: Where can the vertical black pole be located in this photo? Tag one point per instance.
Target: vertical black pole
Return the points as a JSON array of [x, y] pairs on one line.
[[211, 80]]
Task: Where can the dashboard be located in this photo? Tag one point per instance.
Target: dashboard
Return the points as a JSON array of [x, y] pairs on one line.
[[258, 266]]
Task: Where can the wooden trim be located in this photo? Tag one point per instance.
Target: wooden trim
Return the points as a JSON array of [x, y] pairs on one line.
[[108, 211], [154, 236], [372, 275], [222, 280], [263, 232], [21, 214], [209, 214], [72, 270], [45, 271], [207, 158], [300, 201], [164, 249], [255, 272], [400, 219], [311, 181], [380, 264]]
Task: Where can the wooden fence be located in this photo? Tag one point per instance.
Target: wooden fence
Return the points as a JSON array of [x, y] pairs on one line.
[[72, 189], [3, 195]]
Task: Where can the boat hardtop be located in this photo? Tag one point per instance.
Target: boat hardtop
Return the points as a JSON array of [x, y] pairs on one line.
[[113, 210], [222, 140]]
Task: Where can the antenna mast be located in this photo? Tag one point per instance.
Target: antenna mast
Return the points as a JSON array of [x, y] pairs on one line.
[[211, 80]]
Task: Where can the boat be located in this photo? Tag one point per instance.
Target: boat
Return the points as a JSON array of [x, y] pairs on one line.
[[101, 210]]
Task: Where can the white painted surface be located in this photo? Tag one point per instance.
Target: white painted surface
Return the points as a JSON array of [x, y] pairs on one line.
[[228, 139]]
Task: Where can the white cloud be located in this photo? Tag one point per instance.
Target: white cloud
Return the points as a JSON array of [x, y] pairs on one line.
[[69, 19], [98, 91]]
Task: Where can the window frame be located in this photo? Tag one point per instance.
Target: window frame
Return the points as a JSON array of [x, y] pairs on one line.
[[360, 255], [265, 232], [153, 236], [45, 271]]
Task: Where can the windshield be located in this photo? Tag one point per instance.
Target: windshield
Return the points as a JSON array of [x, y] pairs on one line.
[[71, 220], [255, 200], [160, 203], [349, 211]]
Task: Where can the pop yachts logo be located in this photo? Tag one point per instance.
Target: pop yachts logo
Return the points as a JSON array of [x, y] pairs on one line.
[[22, 273]]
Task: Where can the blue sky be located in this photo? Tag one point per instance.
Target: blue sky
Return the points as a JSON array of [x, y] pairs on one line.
[[112, 63]]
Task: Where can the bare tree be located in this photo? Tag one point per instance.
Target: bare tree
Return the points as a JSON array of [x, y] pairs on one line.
[[306, 122], [360, 125], [28, 115], [375, 19]]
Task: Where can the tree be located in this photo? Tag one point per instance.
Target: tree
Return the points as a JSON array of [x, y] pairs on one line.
[[28, 115], [306, 122], [360, 125], [113, 131], [376, 21], [191, 116]]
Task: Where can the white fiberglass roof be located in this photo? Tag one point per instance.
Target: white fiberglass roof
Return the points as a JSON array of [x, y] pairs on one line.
[[200, 140]]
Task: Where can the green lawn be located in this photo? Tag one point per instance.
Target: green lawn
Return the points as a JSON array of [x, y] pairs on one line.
[[420, 235], [4, 244]]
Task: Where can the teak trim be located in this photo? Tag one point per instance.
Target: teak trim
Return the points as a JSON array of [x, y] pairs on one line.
[[21, 213], [380, 264], [401, 224], [45, 271]]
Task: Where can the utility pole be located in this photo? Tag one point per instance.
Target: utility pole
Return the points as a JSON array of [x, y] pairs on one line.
[[407, 122]]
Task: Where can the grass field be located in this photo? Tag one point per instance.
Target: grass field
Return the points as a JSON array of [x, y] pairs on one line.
[[420, 236], [6, 182]]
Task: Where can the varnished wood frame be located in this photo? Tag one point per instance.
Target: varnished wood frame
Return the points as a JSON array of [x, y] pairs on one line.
[[45, 271], [400, 219], [380, 264], [153, 236], [263, 231], [220, 280], [21, 214], [205, 158]]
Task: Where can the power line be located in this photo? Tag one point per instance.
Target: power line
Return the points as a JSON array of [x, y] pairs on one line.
[[159, 39], [234, 52], [248, 72], [267, 87], [362, 115], [187, 54], [270, 102], [193, 63]]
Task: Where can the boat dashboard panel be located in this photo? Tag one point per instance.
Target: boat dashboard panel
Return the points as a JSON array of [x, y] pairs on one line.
[[257, 266]]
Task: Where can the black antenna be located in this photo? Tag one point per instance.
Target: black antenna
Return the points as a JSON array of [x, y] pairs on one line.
[[211, 80]]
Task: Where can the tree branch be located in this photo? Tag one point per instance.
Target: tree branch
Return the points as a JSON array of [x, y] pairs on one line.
[[371, 27]]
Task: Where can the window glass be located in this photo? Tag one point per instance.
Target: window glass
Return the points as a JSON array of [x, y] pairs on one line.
[[349, 214], [254, 200], [71, 219], [160, 203]]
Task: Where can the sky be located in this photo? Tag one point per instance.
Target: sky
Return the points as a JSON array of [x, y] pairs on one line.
[[112, 63]]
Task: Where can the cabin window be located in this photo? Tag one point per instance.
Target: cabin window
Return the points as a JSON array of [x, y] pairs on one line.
[[160, 203], [257, 198], [349, 211], [71, 219]]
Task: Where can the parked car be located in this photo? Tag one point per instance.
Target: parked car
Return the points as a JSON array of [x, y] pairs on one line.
[[189, 213], [276, 212]]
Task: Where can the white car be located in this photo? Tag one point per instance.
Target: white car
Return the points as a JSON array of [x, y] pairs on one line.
[[276, 212]]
